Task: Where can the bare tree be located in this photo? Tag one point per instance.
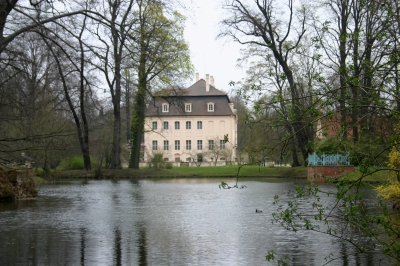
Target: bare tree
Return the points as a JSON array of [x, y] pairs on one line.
[[74, 79], [114, 39], [32, 113], [16, 17], [261, 24], [216, 149]]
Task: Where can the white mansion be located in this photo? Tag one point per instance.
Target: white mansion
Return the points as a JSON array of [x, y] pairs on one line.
[[191, 125]]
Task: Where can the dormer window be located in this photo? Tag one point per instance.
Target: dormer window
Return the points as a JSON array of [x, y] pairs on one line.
[[188, 107], [210, 107], [165, 108]]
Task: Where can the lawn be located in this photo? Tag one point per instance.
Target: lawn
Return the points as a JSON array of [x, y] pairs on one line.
[[374, 175], [217, 171], [232, 171], [212, 171]]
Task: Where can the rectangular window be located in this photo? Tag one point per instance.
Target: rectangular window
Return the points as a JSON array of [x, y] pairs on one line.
[[165, 125], [188, 125], [188, 145], [154, 145], [188, 107], [154, 125], [211, 107], [177, 125], [165, 108], [222, 144], [211, 144], [199, 144], [177, 145], [199, 125], [166, 145]]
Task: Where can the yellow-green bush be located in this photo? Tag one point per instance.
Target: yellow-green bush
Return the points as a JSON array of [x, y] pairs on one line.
[[391, 190]]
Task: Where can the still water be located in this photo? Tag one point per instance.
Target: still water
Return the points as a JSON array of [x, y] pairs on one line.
[[158, 222]]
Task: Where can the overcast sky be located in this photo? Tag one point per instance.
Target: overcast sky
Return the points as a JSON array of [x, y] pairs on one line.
[[209, 55]]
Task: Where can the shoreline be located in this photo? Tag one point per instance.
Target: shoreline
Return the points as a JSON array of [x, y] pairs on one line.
[[174, 173]]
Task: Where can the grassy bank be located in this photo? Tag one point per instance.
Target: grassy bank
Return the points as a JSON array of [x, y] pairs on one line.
[[245, 171], [373, 176], [217, 171]]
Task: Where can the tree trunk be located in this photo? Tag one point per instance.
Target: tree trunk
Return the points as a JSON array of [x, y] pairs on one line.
[[299, 125], [5, 8], [138, 116], [343, 69], [116, 96], [137, 127], [85, 137], [292, 145], [128, 106]]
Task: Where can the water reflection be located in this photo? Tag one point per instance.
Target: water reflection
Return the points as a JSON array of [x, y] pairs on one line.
[[158, 222]]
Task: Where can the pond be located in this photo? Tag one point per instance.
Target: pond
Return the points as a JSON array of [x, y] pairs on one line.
[[181, 221]]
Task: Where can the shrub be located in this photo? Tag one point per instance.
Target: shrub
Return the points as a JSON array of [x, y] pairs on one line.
[[168, 165], [75, 163], [361, 153], [157, 161], [332, 145], [391, 190]]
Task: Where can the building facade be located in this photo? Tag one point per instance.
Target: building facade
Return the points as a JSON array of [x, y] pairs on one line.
[[191, 125]]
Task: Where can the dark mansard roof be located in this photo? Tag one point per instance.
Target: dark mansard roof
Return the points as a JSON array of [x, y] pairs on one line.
[[197, 96]]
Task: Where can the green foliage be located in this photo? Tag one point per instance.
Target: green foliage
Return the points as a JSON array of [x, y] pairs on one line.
[[168, 165], [161, 56], [361, 154], [332, 145], [394, 163], [281, 262], [40, 172], [366, 154], [74, 163], [391, 190], [157, 161]]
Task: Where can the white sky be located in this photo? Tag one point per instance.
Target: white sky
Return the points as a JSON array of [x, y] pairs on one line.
[[209, 55]]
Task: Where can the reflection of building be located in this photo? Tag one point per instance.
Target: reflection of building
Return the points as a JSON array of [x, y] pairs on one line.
[[190, 124]]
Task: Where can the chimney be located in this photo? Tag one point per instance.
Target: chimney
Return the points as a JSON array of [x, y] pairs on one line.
[[197, 76], [212, 81], [207, 82]]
